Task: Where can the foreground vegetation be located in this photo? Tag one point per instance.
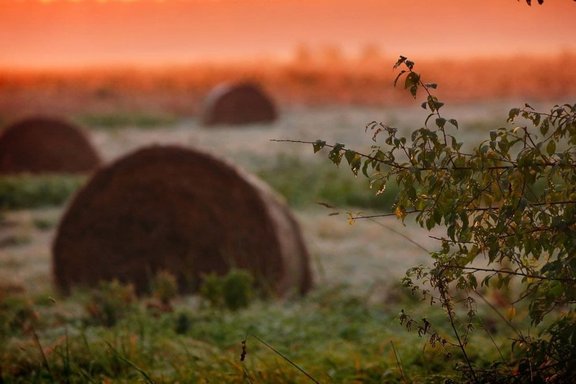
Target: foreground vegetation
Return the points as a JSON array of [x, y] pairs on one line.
[[330, 336], [505, 207]]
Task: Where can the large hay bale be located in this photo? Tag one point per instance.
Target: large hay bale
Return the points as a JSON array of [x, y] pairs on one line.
[[45, 145], [237, 104], [183, 211]]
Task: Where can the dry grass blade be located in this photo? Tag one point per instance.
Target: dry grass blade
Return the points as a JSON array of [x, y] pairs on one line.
[[404, 379], [282, 356]]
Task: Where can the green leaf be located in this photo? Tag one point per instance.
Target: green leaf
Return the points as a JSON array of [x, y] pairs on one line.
[[365, 168], [440, 122], [545, 126], [433, 103], [551, 147], [514, 112], [318, 145], [398, 77], [428, 118], [454, 122], [450, 231], [411, 82], [354, 160], [400, 61], [335, 154], [349, 155]]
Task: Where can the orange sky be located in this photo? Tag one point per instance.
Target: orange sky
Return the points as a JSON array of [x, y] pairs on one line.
[[48, 33]]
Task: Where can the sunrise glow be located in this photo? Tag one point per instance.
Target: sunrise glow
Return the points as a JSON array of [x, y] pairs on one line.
[[37, 33]]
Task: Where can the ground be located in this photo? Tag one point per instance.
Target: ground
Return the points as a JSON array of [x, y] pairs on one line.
[[359, 254]]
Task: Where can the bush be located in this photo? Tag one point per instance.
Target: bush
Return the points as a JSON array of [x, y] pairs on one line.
[[110, 302], [233, 291], [36, 191], [17, 315], [509, 203], [165, 287]]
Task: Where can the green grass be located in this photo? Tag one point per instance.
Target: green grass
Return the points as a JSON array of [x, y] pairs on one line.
[[130, 120], [302, 183], [308, 182], [333, 335], [37, 191]]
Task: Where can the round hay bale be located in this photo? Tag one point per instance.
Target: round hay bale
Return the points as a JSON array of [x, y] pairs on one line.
[[166, 208], [237, 104], [45, 145]]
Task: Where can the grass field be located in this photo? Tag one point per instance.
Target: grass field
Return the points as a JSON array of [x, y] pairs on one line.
[[346, 331]]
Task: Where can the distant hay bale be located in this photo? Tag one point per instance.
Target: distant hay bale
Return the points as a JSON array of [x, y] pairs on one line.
[[166, 208], [45, 145], [237, 104]]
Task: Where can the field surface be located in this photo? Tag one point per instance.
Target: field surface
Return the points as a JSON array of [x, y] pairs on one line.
[[354, 254], [357, 268]]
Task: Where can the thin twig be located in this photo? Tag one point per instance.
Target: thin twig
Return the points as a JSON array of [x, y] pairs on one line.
[[147, 377], [500, 315], [67, 355], [513, 165], [44, 358], [399, 234], [286, 358], [371, 219], [494, 343], [246, 375], [368, 157], [404, 379], [447, 303], [514, 273]]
